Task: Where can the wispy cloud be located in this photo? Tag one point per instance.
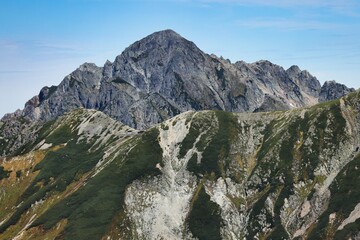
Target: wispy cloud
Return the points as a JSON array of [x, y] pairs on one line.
[[40, 47], [57, 47], [18, 52], [9, 45], [347, 7], [289, 24], [13, 71], [291, 3]]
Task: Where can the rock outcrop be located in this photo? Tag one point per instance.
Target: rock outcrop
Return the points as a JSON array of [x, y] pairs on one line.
[[332, 90], [200, 175], [164, 75]]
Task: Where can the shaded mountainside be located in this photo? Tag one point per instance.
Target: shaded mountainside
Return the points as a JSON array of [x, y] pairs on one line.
[[206, 175], [162, 76]]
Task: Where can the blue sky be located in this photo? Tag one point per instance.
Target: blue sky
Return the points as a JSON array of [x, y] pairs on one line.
[[41, 41]]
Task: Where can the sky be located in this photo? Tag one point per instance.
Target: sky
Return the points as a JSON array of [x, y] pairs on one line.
[[42, 41]]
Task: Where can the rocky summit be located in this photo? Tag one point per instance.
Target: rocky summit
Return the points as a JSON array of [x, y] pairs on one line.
[[162, 76], [168, 142]]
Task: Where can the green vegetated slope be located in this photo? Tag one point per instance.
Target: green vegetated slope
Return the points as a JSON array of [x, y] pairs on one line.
[[285, 175]]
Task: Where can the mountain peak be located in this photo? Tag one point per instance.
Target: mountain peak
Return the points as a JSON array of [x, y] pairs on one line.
[[332, 90], [330, 82], [88, 67], [167, 33], [165, 40], [164, 74], [159, 47], [294, 69]]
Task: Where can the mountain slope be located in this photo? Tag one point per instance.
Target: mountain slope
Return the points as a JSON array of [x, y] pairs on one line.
[[206, 175], [162, 76]]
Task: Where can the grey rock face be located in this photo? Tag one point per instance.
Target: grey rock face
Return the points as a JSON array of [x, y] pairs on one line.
[[164, 74], [79, 89], [332, 90], [307, 83]]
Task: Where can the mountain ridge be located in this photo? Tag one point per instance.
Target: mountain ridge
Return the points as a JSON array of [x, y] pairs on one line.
[[159, 77], [267, 175], [131, 67]]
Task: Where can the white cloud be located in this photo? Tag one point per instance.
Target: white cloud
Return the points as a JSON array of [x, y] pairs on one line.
[[292, 3], [288, 24], [347, 7]]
